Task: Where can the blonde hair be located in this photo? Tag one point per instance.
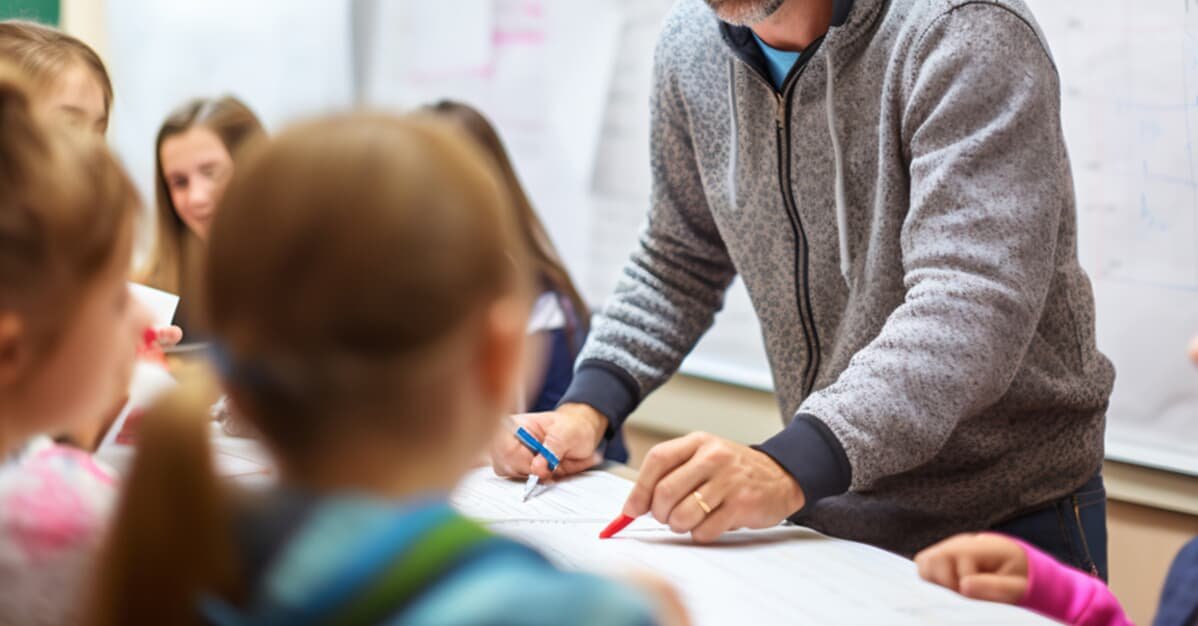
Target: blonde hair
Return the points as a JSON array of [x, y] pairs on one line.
[[66, 209], [174, 263], [44, 53], [349, 250]]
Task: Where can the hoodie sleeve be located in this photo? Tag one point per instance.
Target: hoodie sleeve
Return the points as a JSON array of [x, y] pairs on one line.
[[674, 281], [989, 184]]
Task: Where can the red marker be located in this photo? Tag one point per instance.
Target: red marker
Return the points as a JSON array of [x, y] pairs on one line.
[[616, 526]]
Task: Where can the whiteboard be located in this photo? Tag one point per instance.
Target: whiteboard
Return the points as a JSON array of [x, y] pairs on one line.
[[566, 82], [1129, 74]]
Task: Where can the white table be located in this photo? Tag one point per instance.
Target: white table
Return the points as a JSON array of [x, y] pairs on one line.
[[783, 575]]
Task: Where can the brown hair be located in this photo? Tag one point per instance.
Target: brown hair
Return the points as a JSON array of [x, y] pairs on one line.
[[148, 572], [546, 262], [174, 262], [66, 210], [44, 53], [350, 252]]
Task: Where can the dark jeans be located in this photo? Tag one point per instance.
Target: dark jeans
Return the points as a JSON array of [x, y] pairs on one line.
[[1072, 529]]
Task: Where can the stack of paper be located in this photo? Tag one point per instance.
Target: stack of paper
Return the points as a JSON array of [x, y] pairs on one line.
[[783, 575]]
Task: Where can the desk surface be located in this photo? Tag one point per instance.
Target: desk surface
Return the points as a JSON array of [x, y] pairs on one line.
[[782, 575]]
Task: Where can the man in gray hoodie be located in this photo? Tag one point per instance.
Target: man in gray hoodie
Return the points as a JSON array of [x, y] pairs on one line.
[[890, 179]]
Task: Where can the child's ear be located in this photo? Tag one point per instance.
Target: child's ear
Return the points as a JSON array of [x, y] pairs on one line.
[[14, 349], [502, 353]]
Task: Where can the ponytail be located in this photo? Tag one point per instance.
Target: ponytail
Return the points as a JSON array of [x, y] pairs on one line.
[[171, 542]]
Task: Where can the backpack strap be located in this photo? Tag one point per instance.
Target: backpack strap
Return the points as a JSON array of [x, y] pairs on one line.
[[384, 576], [440, 551]]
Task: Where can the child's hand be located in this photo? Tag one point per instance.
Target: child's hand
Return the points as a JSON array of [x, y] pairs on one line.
[[983, 566], [169, 336], [572, 432]]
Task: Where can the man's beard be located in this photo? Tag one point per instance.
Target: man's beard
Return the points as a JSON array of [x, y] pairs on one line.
[[744, 12]]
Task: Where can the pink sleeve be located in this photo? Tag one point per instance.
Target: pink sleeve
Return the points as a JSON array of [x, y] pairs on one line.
[[1068, 595], [57, 500], [54, 506]]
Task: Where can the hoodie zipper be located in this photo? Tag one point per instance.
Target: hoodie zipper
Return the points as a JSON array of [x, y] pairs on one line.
[[802, 293]]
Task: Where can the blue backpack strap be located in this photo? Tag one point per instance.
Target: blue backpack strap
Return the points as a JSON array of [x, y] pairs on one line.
[[385, 574]]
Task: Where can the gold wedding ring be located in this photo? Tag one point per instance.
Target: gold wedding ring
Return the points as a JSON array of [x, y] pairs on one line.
[[702, 503]]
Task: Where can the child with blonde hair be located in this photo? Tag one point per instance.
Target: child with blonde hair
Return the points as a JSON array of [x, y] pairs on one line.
[[69, 336], [69, 80]]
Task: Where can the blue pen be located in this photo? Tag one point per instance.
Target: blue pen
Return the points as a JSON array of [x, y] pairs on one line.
[[537, 447]]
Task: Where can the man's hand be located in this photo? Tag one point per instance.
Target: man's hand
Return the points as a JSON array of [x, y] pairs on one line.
[[982, 566], [743, 488], [572, 432]]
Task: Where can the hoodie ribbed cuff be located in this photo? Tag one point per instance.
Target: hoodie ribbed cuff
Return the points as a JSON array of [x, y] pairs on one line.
[[811, 453], [605, 388]]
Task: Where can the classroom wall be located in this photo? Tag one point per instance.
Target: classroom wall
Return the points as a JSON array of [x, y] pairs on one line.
[[1150, 515], [85, 20]]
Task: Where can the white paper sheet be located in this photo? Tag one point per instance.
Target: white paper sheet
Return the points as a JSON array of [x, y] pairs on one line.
[[236, 458], [783, 575], [162, 304], [546, 314], [589, 497], [241, 459]]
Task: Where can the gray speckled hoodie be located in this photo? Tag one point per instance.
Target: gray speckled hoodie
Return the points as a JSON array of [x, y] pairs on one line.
[[902, 214]]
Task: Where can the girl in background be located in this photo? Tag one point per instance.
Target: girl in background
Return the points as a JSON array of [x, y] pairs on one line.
[[194, 154], [69, 335], [368, 298], [559, 301]]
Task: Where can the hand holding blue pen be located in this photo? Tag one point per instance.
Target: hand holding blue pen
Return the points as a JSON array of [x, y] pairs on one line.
[[536, 447]]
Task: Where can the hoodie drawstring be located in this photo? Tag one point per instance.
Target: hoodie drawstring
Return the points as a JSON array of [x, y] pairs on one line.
[[734, 148], [842, 215]]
